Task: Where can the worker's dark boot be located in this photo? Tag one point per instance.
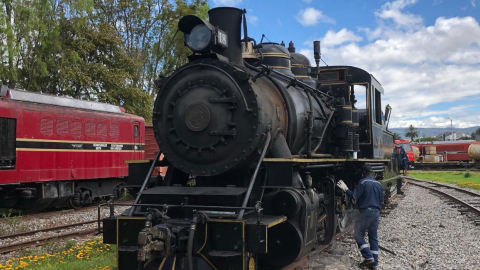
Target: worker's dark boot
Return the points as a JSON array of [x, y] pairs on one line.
[[366, 263]]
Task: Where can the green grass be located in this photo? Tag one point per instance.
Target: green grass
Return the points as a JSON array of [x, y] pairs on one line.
[[92, 254], [464, 179]]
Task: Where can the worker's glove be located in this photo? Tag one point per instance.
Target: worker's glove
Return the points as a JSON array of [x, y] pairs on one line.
[[342, 185]]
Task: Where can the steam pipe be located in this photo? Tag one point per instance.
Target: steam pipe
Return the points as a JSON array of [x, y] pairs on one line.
[[191, 236], [310, 123], [312, 153]]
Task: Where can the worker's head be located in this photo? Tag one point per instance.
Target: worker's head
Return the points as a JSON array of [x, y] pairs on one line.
[[367, 170]]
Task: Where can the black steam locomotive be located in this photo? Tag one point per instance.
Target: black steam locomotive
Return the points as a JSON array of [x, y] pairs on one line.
[[254, 139]]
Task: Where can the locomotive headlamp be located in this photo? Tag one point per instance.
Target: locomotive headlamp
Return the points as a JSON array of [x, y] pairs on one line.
[[200, 35]]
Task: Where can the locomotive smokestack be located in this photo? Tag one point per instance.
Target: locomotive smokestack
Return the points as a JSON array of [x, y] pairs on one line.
[[229, 20], [316, 52]]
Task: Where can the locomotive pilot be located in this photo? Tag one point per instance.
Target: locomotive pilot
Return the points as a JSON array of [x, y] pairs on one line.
[[369, 196]]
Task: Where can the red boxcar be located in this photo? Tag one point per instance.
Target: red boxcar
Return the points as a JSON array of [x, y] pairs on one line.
[[454, 151], [151, 149], [55, 149]]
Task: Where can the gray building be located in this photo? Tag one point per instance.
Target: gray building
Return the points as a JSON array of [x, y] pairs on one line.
[[447, 136]]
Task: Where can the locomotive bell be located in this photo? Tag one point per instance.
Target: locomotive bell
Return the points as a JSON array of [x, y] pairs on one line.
[[247, 52]]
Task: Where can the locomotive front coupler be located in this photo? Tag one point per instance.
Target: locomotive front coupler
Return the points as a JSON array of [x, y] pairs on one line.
[[166, 238]]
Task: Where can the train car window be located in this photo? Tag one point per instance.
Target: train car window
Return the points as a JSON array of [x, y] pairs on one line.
[[113, 131], [362, 105], [46, 126], [89, 128], [360, 96], [8, 133], [102, 130], [135, 131], [76, 128], [378, 107], [62, 126]]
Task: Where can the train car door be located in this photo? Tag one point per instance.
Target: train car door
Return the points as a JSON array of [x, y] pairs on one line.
[[137, 139]]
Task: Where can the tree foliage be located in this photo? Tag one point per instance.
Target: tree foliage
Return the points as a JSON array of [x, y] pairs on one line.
[[427, 139], [476, 134], [411, 132], [104, 50], [396, 136]]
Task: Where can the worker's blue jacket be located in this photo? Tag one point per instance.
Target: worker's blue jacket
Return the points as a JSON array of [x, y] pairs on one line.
[[368, 193]]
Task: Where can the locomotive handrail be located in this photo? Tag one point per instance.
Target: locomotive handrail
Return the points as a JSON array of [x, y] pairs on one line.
[[147, 178], [254, 176]]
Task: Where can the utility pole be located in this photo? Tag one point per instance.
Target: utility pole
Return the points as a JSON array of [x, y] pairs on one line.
[[451, 128]]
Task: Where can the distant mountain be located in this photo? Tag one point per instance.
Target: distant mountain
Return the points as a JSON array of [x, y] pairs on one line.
[[433, 132]]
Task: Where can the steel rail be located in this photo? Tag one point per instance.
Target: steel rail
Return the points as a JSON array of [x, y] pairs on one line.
[[37, 214], [446, 186], [40, 241], [451, 197], [47, 229]]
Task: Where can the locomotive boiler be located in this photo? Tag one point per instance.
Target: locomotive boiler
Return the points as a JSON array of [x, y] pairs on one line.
[[254, 145]]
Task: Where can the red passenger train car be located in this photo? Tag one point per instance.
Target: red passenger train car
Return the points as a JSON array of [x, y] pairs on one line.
[[55, 150]]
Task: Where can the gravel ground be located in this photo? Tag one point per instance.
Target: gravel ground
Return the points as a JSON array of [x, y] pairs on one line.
[[424, 231], [20, 224]]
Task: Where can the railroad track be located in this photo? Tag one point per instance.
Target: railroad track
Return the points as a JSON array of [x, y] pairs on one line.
[[40, 241], [468, 201], [301, 263], [49, 213], [26, 239]]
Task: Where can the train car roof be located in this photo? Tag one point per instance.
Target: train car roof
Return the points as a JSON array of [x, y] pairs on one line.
[[22, 95], [358, 74]]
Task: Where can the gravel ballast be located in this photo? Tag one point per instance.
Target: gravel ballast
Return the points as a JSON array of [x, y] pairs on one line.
[[423, 230]]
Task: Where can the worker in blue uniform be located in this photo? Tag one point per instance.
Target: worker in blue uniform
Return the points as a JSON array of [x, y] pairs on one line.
[[369, 197]]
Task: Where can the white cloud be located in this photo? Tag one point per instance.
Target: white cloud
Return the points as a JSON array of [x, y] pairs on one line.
[[228, 3], [333, 38], [252, 19], [437, 2], [429, 66], [311, 16], [307, 1], [473, 2], [393, 11]]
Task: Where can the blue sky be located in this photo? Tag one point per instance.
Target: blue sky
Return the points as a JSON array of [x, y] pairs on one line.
[[426, 53]]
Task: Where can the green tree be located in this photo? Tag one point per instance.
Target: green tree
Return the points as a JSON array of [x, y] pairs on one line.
[[427, 139], [411, 132], [397, 136], [104, 50], [476, 134]]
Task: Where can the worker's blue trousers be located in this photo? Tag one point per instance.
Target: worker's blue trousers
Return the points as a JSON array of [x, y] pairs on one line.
[[367, 221]]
